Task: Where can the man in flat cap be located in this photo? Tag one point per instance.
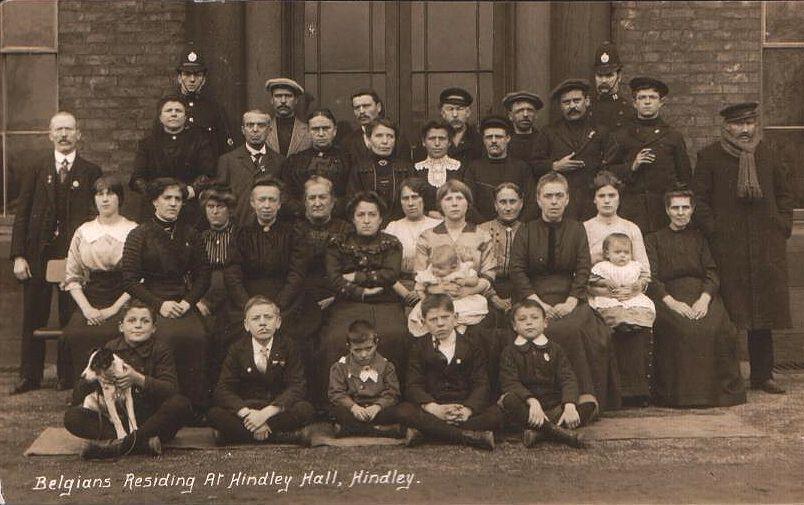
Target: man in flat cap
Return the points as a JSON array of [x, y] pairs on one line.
[[745, 206], [610, 107], [576, 148], [495, 167], [288, 135], [651, 157], [203, 112], [466, 143], [527, 142], [366, 107]]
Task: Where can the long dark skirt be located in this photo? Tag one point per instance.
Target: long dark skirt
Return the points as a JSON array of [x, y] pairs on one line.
[[696, 360], [633, 350], [189, 341], [80, 339], [587, 341]]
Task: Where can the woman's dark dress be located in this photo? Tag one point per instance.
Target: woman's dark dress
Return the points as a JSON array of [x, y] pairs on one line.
[[696, 360]]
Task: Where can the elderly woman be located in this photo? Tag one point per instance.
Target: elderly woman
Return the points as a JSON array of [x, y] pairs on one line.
[[412, 197], [381, 172], [632, 344], [550, 264], [438, 167], [696, 342], [362, 266], [164, 265], [324, 158], [174, 150], [93, 277]]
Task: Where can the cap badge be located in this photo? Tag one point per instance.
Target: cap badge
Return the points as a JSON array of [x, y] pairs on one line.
[[604, 58], [192, 57]]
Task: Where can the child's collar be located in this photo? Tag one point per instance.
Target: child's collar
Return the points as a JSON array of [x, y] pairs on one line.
[[541, 340]]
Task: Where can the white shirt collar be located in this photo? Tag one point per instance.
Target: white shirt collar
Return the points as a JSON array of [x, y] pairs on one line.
[[69, 157], [447, 346], [540, 340], [253, 151], [257, 347]]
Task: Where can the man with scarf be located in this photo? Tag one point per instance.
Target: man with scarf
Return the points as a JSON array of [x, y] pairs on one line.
[[745, 206], [203, 111], [576, 148], [651, 157]]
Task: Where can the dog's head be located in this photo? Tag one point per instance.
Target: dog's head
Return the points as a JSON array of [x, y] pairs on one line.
[[99, 362]]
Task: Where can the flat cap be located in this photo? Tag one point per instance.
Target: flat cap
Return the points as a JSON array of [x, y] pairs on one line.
[[496, 122], [738, 111], [607, 58], [284, 82], [455, 96], [570, 85], [191, 60], [520, 96], [640, 83]]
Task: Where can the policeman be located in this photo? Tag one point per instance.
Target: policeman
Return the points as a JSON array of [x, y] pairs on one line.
[[203, 111], [610, 107]]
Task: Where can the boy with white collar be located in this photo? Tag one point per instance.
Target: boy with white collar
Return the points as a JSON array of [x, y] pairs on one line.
[[540, 391], [447, 383], [363, 387]]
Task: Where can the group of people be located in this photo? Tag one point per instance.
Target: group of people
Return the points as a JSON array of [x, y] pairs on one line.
[[490, 276]]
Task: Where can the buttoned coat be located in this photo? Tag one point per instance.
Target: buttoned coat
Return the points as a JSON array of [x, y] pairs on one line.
[[236, 170], [299, 140]]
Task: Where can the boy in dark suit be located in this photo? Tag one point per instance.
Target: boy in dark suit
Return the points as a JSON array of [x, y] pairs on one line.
[[540, 391], [447, 383], [261, 386]]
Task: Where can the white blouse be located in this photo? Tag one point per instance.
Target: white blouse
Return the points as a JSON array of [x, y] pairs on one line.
[[597, 231], [408, 232], [95, 246]]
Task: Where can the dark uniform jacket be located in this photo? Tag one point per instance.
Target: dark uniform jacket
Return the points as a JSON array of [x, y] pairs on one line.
[[332, 163], [747, 238], [160, 265], [538, 371], [590, 144], [36, 219], [237, 170], [205, 114], [642, 198], [464, 380], [188, 156], [611, 111], [282, 384], [485, 174]]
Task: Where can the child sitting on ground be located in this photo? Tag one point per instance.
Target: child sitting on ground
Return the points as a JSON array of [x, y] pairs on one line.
[[540, 391], [151, 374], [618, 272], [446, 274], [260, 392], [363, 387]]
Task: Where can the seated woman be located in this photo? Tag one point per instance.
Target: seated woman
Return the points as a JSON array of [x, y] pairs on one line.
[[412, 194], [438, 167], [173, 149], [633, 344], [696, 342], [324, 158], [260, 393], [382, 172], [550, 264], [93, 277], [363, 266], [267, 257], [150, 374], [164, 265]]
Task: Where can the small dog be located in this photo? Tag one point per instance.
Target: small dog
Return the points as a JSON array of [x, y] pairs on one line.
[[103, 367]]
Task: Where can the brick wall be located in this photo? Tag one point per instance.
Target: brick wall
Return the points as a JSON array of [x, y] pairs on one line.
[[115, 60], [707, 52]]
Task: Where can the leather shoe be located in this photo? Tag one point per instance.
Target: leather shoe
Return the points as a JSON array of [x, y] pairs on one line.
[[769, 386], [530, 437], [413, 437], [563, 435], [479, 439], [110, 449], [23, 386]]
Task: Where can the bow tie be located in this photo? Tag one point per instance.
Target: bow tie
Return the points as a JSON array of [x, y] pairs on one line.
[[367, 373]]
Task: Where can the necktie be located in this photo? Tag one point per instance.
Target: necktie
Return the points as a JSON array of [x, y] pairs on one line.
[[63, 172], [262, 362], [257, 157]]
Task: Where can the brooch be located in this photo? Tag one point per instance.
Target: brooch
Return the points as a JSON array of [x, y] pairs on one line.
[[76, 184], [278, 362], [592, 133], [382, 163], [458, 361], [546, 357], [248, 370], [656, 130]]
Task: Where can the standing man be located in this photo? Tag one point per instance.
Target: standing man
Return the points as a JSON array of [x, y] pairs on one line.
[[610, 108], [651, 157], [745, 206], [466, 143], [497, 166], [576, 148], [289, 135], [239, 168], [203, 111], [527, 142], [56, 197]]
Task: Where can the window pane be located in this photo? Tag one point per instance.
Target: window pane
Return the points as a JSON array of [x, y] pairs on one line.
[[451, 36], [21, 152], [345, 36], [31, 97], [790, 144], [486, 36], [783, 74], [378, 34], [784, 21], [417, 35], [336, 91], [29, 23]]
